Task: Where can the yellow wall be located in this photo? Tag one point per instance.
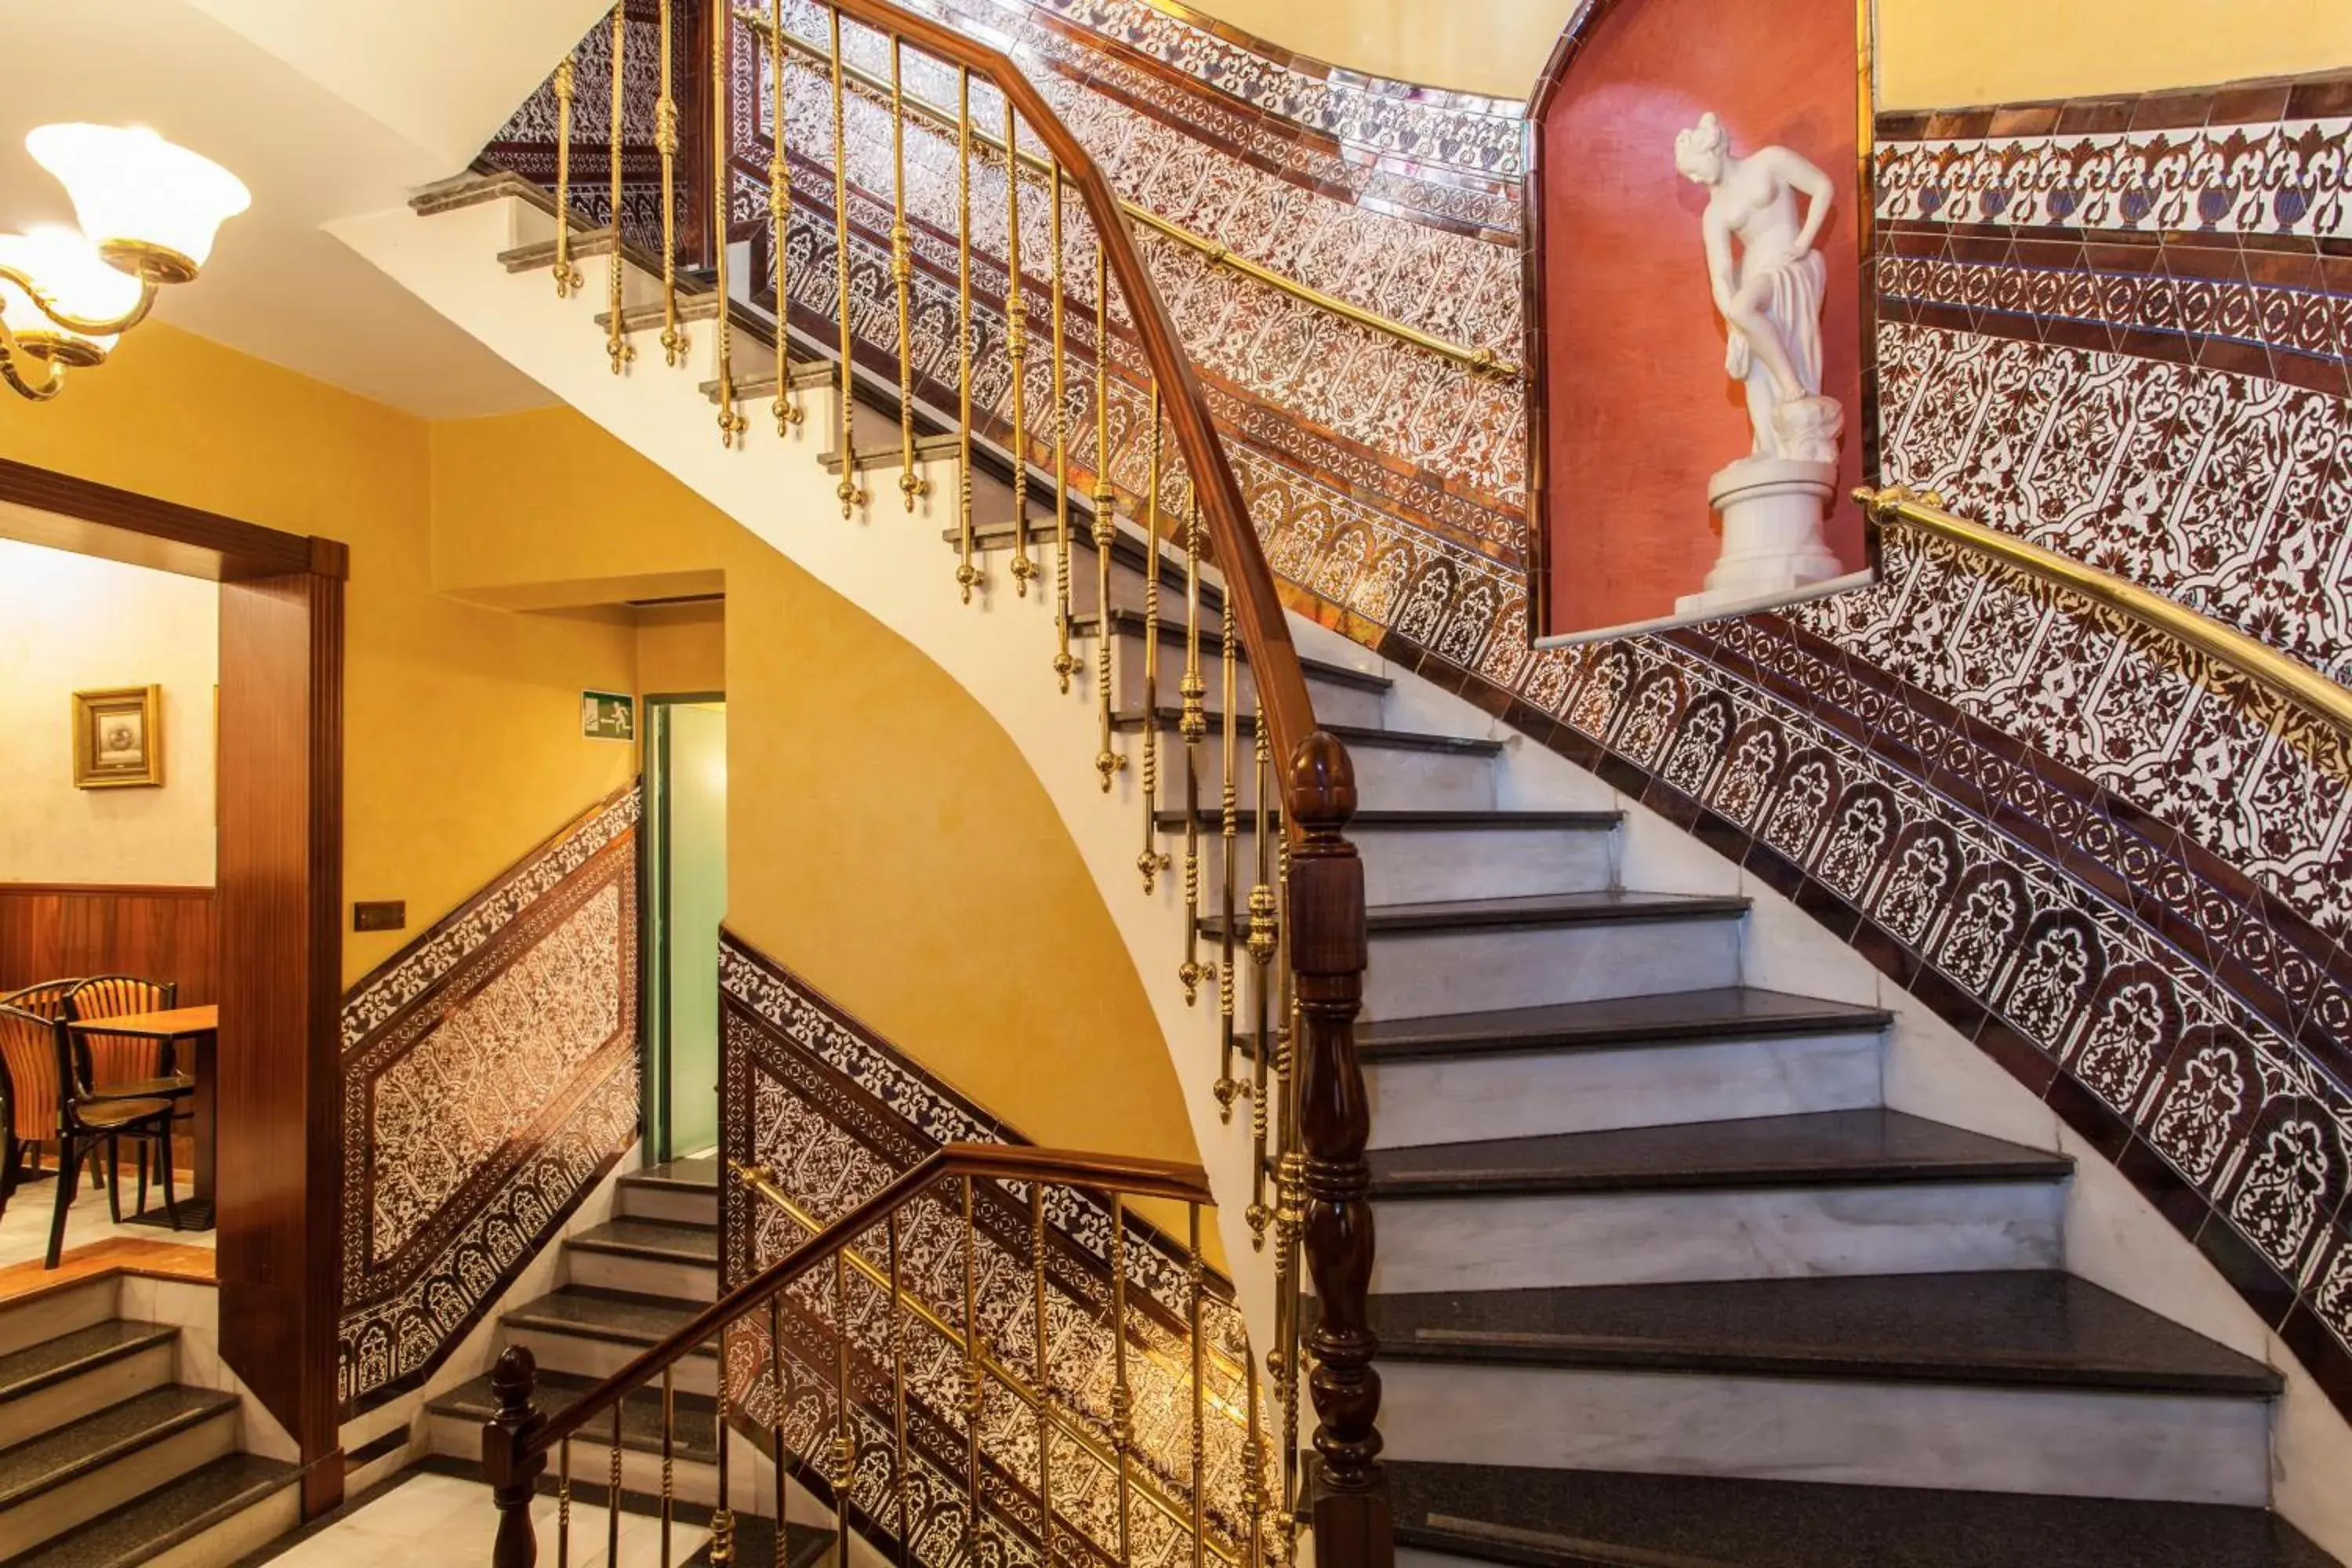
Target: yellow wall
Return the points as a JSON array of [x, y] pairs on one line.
[[1949, 53], [885, 837], [71, 623], [463, 743]]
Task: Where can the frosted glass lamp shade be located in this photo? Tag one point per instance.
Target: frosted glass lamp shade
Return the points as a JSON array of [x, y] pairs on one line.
[[74, 283], [147, 205]]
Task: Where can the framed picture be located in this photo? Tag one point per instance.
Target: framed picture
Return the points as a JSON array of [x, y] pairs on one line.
[[118, 737]]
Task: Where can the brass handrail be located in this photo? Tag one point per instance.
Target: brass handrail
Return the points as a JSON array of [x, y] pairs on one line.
[[2225, 644], [1482, 360], [1102, 1453]]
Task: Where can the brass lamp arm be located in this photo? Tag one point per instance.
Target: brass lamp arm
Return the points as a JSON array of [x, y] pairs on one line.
[[40, 298], [11, 354]]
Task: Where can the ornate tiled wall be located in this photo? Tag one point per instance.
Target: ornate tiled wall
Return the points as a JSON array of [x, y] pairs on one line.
[[835, 1113], [490, 1083]]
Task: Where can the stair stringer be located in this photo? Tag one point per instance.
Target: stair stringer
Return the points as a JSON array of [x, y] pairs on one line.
[[1000, 648]]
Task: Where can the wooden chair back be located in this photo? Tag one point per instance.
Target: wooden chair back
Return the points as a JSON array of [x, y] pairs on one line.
[[101, 1061], [46, 1000], [30, 1051]]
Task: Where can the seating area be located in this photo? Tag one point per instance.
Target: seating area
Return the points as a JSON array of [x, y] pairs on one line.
[[94, 1071]]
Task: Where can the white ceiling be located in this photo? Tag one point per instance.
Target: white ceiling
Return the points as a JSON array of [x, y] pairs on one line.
[[325, 109]]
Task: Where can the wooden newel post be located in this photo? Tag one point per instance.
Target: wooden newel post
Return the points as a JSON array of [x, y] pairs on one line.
[[512, 1470], [1326, 903]]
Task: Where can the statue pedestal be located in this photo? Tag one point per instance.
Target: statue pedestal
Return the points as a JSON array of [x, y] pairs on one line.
[[1772, 509]]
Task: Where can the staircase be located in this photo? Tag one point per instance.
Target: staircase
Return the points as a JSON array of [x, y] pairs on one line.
[[108, 1458], [1662, 1280]]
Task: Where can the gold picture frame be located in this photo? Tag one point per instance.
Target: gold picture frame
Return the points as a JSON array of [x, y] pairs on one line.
[[118, 738]]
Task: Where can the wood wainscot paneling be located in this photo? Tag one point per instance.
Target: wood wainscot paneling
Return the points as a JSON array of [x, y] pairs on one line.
[[49, 930]]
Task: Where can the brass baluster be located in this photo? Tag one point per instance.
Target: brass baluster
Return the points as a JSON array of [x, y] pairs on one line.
[[1193, 725], [669, 1459], [732, 421], [898, 1399], [776, 1414], [845, 1441], [674, 338], [787, 408], [618, 350], [1044, 1372], [967, 576], [612, 1495], [902, 276], [1199, 1281], [723, 1518], [1288, 1223], [1122, 1399], [567, 277], [1261, 951], [1107, 762], [1227, 1089], [563, 1505], [1016, 350], [1065, 665], [974, 1380], [1152, 862], [852, 496], [1254, 1459]]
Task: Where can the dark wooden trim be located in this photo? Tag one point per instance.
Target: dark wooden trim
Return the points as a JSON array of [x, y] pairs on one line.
[[237, 550], [108, 890]]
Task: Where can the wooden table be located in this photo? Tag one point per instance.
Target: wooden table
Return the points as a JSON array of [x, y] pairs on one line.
[[201, 1028]]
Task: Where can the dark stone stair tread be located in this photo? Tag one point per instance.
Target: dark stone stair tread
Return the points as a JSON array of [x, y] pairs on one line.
[[1826, 1148], [607, 1314], [1586, 1519], [1667, 1017], [1600, 906], [652, 1238], [2025, 1326], [699, 1175], [1464, 820], [56, 1457], [52, 1360], [641, 1414], [755, 1545], [150, 1525], [1082, 624], [1129, 720]]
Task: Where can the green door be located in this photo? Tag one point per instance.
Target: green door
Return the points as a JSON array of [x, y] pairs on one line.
[[693, 838]]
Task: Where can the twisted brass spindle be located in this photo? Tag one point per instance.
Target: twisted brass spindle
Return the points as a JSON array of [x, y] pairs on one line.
[[974, 1383], [898, 1396], [1253, 1463], [723, 1518], [787, 408], [1108, 762], [567, 276], [673, 338], [1016, 352], [1227, 1087], [1193, 725], [967, 576], [776, 1412], [845, 1442], [612, 1495], [1198, 1279], [1261, 951], [669, 1459], [1044, 1374], [851, 496], [618, 350], [1122, 1399], [732, 421], [563, 1505], [1288, 1224], [1152, 862], [1065, 665], [902, 276]]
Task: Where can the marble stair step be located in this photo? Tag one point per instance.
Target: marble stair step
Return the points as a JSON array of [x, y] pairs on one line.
[[1544, 949], [64, 1478], [219, 1512], [1452, 1513], [1127, 553], [682, 1192], [695, 1434], [1866, 1191], [593, 1334], [2008, 1381], [1727, 1054], [60, 1380], [1340, 695], [1396, 770], [648, 1258], [1412, 856]]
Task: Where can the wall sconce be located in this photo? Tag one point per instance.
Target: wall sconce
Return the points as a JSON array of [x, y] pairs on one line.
[[149, 212]]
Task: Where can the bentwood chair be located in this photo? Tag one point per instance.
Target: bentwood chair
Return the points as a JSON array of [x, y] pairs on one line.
[[90, 1124], [125, 1066], [28, 1084]]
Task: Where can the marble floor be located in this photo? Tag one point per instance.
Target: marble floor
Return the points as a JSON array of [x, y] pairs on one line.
[[24, 1230], [426, 1519]]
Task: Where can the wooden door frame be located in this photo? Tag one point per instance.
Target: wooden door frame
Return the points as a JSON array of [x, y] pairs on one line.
[[278, 896]]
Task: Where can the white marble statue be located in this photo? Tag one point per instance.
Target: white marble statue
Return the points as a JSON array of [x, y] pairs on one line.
[[1768, 280]]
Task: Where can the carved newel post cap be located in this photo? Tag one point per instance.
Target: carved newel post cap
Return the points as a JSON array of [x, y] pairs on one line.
[[1322, 781]]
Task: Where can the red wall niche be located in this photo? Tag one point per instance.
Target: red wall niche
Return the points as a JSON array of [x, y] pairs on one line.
[[1633, 409]]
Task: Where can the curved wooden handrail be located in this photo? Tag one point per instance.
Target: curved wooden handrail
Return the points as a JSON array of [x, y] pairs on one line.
[[2225, 644], [997, 1162]]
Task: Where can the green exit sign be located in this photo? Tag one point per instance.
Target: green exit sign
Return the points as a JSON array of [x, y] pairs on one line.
[[608, 716]]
